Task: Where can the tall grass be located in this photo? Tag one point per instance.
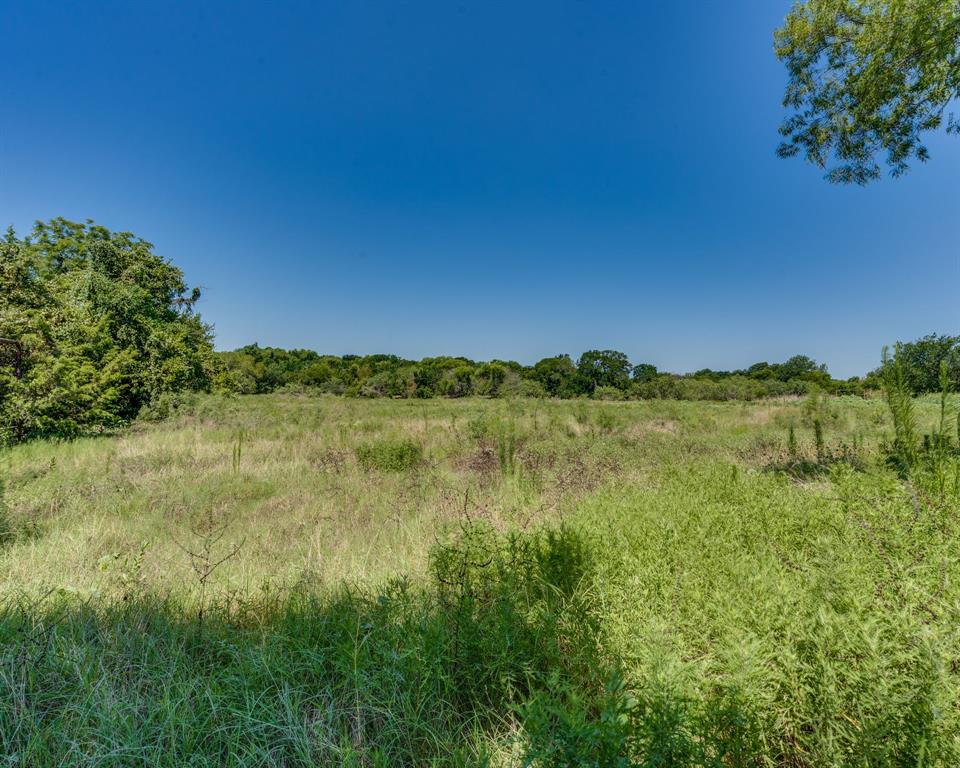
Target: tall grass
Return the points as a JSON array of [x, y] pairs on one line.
[[658, 597], [900, 401], [6, 528]]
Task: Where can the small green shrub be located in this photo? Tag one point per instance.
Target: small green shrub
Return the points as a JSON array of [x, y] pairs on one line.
[[479, 427], [654, 726], [167, 404], [390, 455], [606, 420], [523, 388], [608, 393], [900, 402]]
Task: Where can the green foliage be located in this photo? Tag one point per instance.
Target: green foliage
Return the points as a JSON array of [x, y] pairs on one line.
[[603, 374], [923, 361], [929, 462], [868, 78], [775, 627], [168, 404], [608, 393], [557, 375], [489, 379], [653, 727], [906, 439], [507, 448], [392, 675], [644, 372], [603, 368], [390, 455], [237, 454], [818, 439], [564, 731], [717, 386], [93, 326]]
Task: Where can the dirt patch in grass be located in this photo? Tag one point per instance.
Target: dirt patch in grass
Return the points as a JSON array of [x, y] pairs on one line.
[[483, 461]]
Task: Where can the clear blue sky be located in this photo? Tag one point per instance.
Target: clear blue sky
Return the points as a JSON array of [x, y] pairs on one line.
[[493, 179]]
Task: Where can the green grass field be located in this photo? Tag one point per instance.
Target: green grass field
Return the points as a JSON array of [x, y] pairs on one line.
[[290, 581]]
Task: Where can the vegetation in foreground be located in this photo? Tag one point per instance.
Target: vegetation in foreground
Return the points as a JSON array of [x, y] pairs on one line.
[[290, 580]]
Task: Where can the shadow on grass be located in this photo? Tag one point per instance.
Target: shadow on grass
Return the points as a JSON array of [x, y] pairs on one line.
[[800, 466], [433, 675], [495, 660]]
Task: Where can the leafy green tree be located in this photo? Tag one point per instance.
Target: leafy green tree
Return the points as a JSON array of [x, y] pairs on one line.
[[316, 374], [762, 371], [489, 379], [457, 382], [920, 362], [643, 372], [94, 326], [712, 375], [557, 375], [799, 367], [431, 372], [604, 373], [604, 368], [391, 382], [867, 79]]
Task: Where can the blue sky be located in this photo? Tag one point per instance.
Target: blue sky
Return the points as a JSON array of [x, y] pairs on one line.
[[493, 179]]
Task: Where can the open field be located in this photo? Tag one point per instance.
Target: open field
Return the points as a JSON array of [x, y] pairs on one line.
[[304, 504], [471, 582]]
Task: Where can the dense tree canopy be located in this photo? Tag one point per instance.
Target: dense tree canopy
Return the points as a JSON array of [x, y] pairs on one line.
[[557, 375], [867, 79], [93, 325], [604, 368]]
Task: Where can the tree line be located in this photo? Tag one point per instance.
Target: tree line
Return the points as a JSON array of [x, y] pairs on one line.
[[95, 328], [603, 374]]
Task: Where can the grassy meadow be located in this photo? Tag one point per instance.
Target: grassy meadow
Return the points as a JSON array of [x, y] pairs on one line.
[[286, 580]]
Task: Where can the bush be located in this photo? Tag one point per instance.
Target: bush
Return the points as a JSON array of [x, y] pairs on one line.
[[516, 387], [166, 405], [608, 393], [390, 455]]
